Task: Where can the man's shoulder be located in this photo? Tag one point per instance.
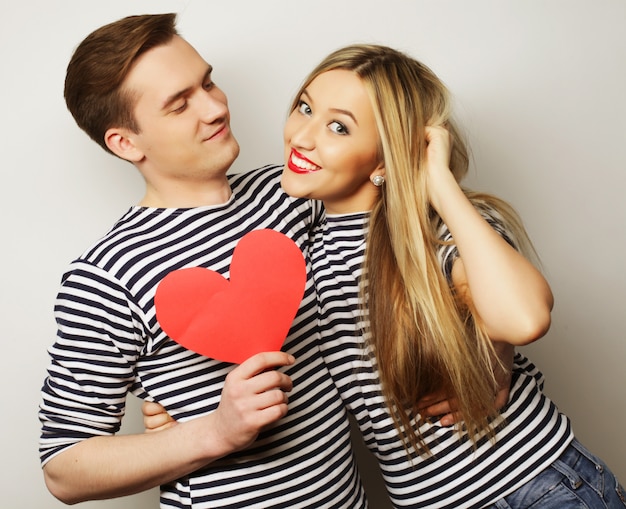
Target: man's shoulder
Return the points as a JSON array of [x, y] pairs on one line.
[[258, 186], [130, 230], [268, 175]]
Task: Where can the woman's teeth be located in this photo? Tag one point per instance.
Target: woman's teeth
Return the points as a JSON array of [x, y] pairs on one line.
[[305, 165]]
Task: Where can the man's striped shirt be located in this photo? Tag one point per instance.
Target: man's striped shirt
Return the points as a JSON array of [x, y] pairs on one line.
[[109, 343]]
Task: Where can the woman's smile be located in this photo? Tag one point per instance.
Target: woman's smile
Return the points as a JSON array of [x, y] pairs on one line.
[[300, 164]]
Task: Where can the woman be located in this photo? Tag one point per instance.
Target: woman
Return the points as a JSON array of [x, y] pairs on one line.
[[370, 133]]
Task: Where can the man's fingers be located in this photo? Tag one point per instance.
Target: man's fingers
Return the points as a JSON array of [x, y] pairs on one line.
[[450, 419], [502, 398], [262, 362], [273, 380], [440, 408]]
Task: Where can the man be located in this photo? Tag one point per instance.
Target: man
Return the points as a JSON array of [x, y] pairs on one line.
[[145, 95]]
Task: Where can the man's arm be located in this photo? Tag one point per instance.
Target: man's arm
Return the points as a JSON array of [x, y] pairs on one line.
[[113, 466]]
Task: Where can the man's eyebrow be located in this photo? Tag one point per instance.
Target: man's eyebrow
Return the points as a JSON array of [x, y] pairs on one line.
[[336, 110], [182, 93]]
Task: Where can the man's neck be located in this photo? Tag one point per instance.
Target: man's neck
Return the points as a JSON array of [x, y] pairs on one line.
[[187, 194]]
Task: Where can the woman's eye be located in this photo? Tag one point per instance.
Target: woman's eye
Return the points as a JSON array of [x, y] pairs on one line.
[[209, 85], [304, 108], [338, 128]]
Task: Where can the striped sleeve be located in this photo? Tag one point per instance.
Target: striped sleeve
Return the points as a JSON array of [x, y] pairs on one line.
[[91, 369], [448, 252]]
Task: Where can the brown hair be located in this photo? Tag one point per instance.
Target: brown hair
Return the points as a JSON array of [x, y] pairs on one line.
[[96, 72]]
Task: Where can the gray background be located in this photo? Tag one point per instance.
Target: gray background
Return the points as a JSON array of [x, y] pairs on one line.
[[539, 86]]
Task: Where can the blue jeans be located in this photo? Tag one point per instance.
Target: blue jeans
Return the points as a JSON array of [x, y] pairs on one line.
[[577, 480]]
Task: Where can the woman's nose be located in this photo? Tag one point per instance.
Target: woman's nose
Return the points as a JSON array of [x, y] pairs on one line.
[[303, 135]]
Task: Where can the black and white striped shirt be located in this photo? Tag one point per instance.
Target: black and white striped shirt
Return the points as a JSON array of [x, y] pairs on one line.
[[109, 343], [531, 437]]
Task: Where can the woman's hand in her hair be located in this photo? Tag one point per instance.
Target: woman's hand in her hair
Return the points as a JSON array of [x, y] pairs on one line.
[[439, 146], [437, 163], [155, 417]]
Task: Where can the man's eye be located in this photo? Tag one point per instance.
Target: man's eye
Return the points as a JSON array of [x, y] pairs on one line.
[[338, 128], [304, 108], [181, 108]]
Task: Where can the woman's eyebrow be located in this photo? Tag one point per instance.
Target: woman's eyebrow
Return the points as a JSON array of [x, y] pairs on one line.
[[335, 110]]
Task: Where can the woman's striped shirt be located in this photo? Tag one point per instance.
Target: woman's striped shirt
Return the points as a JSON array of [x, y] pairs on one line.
[[533, 432], [109, 343]]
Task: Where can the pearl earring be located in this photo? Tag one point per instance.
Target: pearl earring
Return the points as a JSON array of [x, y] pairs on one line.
[[378, 180]]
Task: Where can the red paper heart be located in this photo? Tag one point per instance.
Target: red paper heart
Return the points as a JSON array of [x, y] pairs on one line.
[[233, 320]]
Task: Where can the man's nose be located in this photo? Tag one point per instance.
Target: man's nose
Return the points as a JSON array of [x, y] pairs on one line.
[[213, 107]]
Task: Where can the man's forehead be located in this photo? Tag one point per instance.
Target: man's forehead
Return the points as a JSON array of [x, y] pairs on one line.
[[167, 70]]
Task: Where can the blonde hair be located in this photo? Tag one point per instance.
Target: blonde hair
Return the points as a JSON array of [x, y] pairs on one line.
[[425, 336]]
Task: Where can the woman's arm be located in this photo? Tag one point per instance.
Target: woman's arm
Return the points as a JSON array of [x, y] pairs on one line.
[[511, 297]]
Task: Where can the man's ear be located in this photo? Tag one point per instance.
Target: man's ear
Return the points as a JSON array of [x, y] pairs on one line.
[[121, 142]]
